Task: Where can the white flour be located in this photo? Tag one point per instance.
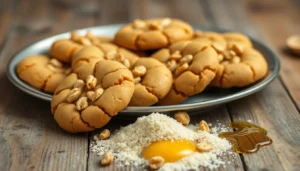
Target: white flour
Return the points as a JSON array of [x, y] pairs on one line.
[[128, 143]]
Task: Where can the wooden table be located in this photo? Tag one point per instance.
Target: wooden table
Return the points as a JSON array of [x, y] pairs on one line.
[[31, 140]]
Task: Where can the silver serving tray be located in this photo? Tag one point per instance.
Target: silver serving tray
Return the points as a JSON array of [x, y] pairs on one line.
[[207, 99]]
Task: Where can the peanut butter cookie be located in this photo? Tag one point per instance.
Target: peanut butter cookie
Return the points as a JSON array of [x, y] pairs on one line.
[[216, 40], [193, 64], [83, 104], [65, 49], [243, 66], [84, 60], [153, 34], [153, 81], [237, 38], [42, 72]]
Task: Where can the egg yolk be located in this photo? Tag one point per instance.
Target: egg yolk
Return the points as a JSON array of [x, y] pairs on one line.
[[171, 151]]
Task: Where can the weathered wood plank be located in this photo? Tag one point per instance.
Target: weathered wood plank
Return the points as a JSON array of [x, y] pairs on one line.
[[271, 108], [30, 139], [177, 9], [267, 14]]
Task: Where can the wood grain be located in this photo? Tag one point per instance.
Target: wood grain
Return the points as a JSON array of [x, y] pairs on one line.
[[271, 108], [31, 140], [267, 14]]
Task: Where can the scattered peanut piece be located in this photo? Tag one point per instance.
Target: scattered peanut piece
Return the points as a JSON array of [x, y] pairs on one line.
[[139, 71], [73, 94], [104, 134], [165, 22], [139, 24], [79, 84], [182, 117], [203, 126], [172, 65], [156, 162], [203, 147], [82, 103], [238, 49], [126, 63], [98, 93], [181, 69], [91, 82], [186, 59], [176, 55], [107, 159]]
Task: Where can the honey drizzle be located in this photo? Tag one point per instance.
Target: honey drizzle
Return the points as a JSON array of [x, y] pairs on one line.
[[247, 138]]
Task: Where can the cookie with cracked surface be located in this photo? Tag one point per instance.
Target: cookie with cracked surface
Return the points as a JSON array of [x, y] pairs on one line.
[[84, 61], [153, 33], [64, 49], [84, 104], [193, 64], [216, 40], [244, 66], [237, 38], [153, 81], [42, 72], [89, 38]]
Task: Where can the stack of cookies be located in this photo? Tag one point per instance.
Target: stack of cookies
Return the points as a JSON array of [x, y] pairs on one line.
[[149, 62]]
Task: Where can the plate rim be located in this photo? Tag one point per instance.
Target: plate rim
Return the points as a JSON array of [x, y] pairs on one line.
[[14, 79]]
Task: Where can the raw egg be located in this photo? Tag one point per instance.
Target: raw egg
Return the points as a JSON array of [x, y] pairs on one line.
[[171, 151]]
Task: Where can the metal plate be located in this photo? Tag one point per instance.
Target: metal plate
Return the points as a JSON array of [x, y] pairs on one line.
[[207, 99]]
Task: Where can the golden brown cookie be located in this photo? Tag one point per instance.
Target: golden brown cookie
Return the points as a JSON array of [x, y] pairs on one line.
[[216, 40], [237, 38], [242, 67], [84, 60], [153, 81], [193, 64], [42, 72], [153, 34], [64, 49], [89, 39], [83, 104]]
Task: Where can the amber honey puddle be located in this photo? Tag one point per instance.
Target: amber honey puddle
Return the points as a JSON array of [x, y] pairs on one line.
[[248, 138]]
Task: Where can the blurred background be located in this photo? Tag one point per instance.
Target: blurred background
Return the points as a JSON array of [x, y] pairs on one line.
[[276, 18]]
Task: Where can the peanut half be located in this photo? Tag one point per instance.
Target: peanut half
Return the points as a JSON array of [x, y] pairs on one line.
[[156, 162], [182, 117], [203, 147], [104, 134], [172, 65], [203, 126], [73, 95], [82, 103], [139, 71], [107, 159], [91, 82], [79, 84], [176, 55], [181, 69]]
